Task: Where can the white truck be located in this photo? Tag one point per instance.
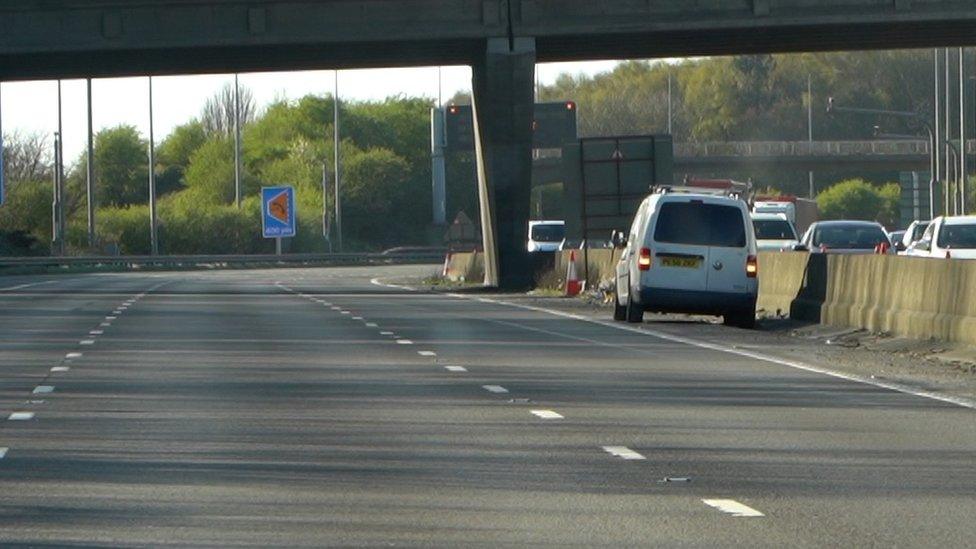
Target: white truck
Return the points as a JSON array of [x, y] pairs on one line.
[[801, 212]]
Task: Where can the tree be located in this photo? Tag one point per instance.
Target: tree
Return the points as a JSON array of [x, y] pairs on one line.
[[27, 157], [858, 199], [174, 153], [218, 112], [122, 167]]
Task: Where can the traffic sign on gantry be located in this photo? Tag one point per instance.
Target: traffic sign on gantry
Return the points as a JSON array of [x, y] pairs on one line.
[[278, 212]]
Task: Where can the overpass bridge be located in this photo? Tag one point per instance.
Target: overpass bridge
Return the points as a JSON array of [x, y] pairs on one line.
[[501, 39]]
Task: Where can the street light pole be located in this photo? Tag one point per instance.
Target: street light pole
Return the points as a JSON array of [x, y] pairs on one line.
[[59, 168], [91, 173], [237, 142], [963, 168], [810, 127], [335, 139], [153, 234], [937, 175]]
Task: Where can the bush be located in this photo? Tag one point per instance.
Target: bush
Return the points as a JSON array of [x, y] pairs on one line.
[[858, 199]]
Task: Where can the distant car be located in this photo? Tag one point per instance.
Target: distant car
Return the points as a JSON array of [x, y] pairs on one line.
[[546, 236], [896, 237], [688, 253], [912, 234], [947, 237], [844, 237], [774, 232]]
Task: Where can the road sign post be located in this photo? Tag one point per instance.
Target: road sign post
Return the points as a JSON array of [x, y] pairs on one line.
[[278, 214]]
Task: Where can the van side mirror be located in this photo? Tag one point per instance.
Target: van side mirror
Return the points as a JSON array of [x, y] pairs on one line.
[[801, 248], [618, 239]]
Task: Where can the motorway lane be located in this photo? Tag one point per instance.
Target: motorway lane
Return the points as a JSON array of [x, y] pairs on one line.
[[240, 408]]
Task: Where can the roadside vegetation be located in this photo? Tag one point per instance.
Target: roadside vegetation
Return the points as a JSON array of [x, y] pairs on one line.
[[385, 161]]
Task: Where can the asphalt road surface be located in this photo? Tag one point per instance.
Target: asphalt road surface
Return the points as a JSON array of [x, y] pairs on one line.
[[312, 407]]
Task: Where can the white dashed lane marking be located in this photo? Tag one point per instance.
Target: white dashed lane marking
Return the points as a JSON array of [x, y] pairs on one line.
[[455, 368], [105, 324], [96, 332], [547, 414], [60, 368], [21, 416], [357, 318], [386, 333], [86, 342], [494, 388], [43, 389], [426, 353], [623, 452], [72, 355], [3, 452], [404, 342], [371, 325], [110, 318], [732, 507]]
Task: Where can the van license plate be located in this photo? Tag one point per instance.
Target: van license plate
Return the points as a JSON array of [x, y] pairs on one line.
[[682, 262]]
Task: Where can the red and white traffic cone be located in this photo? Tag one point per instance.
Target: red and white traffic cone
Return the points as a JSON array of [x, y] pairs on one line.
[[446, 271], [573, 284]]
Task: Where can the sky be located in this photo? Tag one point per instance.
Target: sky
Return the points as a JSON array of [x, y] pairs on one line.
[[32, 106]]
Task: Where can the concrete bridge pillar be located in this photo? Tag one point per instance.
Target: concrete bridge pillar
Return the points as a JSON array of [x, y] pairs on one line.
[[503, 99]]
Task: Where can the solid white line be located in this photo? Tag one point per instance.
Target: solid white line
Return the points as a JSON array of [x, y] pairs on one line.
[[494, 388], [96, 332], [3, 452], [732, 507], [28, 285], [21, 416], [376, 282], [73, 355], [547, 414], [43, 389], [455, 368], [60, 368], [426, 353], [404, 342], [623, 452], [372, 325]]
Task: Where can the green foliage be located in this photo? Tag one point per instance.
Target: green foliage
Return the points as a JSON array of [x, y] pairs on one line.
[[122, 167], [28, 209], [858, 199], [128, 227]]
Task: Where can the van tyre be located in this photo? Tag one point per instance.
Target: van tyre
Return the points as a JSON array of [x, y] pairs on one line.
[[743, 318], [619, 311], [634, 312]]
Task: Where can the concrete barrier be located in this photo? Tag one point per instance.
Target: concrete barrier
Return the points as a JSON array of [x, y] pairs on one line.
[[601, 263], [465, 267]]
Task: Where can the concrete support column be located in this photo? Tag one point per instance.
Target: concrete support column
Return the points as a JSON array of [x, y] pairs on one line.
[[503, 99]]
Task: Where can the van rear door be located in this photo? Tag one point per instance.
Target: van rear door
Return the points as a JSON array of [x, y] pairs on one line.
[[728, 250], [679, 246]]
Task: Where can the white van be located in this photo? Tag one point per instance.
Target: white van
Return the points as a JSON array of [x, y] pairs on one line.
[[688, 253], [546, 236]]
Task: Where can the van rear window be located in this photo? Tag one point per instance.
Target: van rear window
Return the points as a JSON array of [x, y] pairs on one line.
[[700, 224]]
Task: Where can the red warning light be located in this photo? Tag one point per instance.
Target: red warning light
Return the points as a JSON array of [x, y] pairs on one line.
[[570, 106], [453, 109]]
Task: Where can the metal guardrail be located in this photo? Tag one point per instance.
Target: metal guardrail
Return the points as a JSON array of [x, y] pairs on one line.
[[218, 260]]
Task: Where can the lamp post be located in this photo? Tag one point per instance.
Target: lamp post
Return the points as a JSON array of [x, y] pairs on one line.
[[914, 117]]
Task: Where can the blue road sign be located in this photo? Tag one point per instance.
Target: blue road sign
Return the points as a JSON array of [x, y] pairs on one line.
[[278, 212]]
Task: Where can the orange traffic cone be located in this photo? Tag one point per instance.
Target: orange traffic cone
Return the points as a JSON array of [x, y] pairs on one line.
[[573, 284]]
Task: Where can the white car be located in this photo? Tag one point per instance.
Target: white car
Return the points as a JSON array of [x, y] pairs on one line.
[[688, 253], [845, 237], [774, 232], [546, 236], [947, 237]]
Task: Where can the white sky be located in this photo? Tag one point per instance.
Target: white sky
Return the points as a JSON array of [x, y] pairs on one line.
[[32, 106]]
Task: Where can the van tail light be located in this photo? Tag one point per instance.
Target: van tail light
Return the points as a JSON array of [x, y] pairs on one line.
[[644, 259], [752, 266]]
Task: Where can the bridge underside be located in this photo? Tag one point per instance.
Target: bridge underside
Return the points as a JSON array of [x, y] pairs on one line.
[[500, 39]]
